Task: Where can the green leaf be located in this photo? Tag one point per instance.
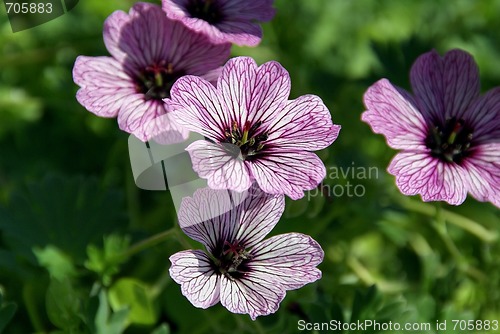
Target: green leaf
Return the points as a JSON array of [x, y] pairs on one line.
[[107, 322], [58, 264], [163, 329], [134, 294], [106, 262], [68, 213], [64, 305]]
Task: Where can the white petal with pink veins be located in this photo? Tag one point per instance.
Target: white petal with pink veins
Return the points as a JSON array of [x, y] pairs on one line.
[[219, 166], [199, 282]]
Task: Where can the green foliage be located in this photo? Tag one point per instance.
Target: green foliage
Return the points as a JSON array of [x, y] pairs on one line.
[[136, 296], [106, 262], [107, 322]]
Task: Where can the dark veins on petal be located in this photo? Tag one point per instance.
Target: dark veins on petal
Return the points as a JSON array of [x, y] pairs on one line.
[[450, 142], [206, 10], [249, 141], [231, 260], [155, 81]]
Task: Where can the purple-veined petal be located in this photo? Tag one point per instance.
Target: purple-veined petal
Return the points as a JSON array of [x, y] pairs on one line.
[[391, 115], [199, 282], [426, 77], [291, 257], [140, 39], [255, 294], [219, 166], [236, 84], [484, 117], [483, 173], [444, 87], [237, 26], [461, 82], [258, 10], [146, 37], [305, 123], [238, 32], [208, 217], [196, 105], [136, 115], [289, 173], [419, 173], [165, 130], [105, 88], [258, 214], [269, 93]]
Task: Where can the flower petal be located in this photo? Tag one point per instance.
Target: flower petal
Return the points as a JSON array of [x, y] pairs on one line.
[[393, 116], [289, 173], [136, 117], [255, 93], [195, 105], [255, 294], [105, 88], [140, 38], [291, 257], [483, 173], [146, 37], [258, 214], [200, 284], [236, 84], [164, 130], [484, 117], [269, 94], [461, 82], [305, 123], [218, 164], [419, 173], [237, 26], [207, 217], [444, 87]]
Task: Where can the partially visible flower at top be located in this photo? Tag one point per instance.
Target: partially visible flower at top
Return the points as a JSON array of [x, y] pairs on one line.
[[223, 20], [247, 275], [254, 132], [449, 134], [149, 52]]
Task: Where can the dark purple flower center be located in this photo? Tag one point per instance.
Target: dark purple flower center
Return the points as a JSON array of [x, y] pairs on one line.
[[155, 81], [232, 260], [450, 142], [249, 140], [206, 10]]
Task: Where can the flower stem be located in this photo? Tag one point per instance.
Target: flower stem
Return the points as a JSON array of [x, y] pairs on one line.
[[451, 217], [149, 242], [442, 230]]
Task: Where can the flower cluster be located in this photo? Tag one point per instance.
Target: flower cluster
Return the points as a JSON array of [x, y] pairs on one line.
[[169, 76], [165, 79]]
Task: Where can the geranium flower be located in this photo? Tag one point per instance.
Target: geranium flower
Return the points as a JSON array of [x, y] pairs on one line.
[[223, 21], [449, 134], [247, 275], [253, 130], [149, 52]]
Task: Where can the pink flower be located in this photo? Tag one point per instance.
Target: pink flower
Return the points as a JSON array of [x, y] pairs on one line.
[[149, 52], [247, 275], [449, 134], [223, 20], [254, 132]]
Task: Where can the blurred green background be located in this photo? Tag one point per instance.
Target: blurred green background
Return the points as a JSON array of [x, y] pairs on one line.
[[70, 211]]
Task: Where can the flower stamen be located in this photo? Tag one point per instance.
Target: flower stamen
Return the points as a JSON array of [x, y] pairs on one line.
[[450, 142]]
